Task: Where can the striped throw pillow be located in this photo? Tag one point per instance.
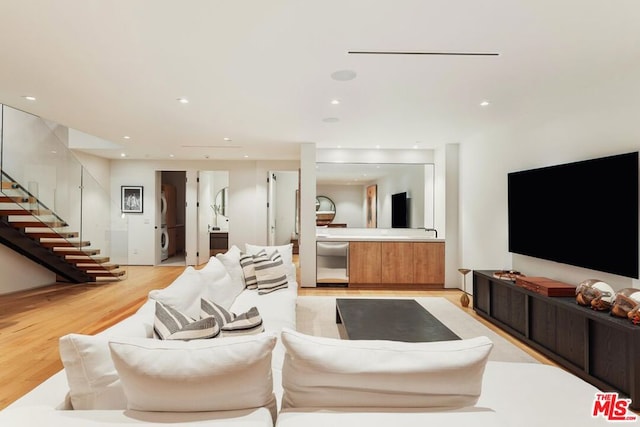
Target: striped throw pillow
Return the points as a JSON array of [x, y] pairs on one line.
[[231, 324], [170, 324], [248, 270], [271, 273]]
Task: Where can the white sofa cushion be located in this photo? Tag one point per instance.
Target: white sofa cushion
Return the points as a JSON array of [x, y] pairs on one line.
[[184, 293], [200, 375], [40, 416], [231, 262], [219, 285], [171, 324], [332, 373]]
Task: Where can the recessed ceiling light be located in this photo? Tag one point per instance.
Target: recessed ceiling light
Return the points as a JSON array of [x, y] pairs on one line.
[[227, 139], [331, 120], [123, 155], [29, 98], [246, 156], [339, 146], [335, 101], [183, 100], [54, 152], [343, 75], [171, 155], [484, 104], [415, 146], [377, 146], [126, 137]]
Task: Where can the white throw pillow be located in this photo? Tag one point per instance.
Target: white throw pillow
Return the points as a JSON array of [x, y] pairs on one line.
[[330, 373], [231, 261], [184, 293], [219, 286], [200, 375], [92, 378]]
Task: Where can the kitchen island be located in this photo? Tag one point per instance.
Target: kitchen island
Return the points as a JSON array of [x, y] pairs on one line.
[[384, 259]]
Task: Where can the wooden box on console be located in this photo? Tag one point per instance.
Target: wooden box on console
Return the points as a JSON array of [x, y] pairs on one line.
[[546, 287]]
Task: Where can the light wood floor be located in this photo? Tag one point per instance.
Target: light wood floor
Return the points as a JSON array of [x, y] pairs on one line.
[[31, 322]]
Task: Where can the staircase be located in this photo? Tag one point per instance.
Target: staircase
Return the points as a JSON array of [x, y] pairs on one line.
[[30, 228]]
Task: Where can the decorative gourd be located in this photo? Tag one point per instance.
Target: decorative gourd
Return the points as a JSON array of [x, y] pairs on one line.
[[624, 301], [595, 293]]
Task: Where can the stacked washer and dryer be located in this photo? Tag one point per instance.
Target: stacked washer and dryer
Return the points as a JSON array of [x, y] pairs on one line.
[[168, 222], [164, 234]]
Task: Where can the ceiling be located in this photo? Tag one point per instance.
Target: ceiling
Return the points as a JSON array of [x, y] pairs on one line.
[[259, 72]]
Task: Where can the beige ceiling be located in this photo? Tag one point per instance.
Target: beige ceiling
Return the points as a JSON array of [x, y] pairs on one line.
[[259, 71]]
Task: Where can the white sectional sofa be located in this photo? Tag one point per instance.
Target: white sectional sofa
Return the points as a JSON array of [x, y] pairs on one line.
[[124, 376]]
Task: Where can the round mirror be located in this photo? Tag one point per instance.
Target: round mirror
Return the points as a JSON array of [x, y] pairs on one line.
[[222, 202], [325, 210]]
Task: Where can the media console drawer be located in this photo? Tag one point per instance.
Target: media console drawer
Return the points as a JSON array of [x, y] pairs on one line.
[[546, 287]]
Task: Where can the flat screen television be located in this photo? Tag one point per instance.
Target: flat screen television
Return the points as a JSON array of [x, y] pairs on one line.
[[399, 210], [583, 214]]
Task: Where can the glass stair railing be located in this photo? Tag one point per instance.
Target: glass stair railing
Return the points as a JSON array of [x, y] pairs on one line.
[[51, 209]]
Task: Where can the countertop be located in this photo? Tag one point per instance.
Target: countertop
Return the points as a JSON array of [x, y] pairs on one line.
[[379, 238]]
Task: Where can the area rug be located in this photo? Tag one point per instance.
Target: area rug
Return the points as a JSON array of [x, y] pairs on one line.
[[317, 316]]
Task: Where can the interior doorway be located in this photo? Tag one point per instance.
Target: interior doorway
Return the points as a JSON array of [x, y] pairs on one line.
[[282, 208], [172, 217]]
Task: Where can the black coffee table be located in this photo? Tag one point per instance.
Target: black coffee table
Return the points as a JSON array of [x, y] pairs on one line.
[[390, 319]]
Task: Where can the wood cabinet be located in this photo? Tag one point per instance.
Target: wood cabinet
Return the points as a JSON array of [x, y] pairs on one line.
[[593, 345], [428, 262], [364, 262], [393, 264], [218, 243]]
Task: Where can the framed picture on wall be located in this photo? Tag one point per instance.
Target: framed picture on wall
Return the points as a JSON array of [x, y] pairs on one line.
[[131, 198], [372, 206]]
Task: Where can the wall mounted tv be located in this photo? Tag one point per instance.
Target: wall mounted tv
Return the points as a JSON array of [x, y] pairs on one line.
[[583, 214], [399, 210]]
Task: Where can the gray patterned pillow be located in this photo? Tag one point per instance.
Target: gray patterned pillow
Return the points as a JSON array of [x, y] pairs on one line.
[[248, 270], [231, 324], [170, 324], [270, 271]]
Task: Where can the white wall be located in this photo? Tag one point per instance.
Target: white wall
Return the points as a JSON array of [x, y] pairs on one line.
[[247, 201], [592, 122]]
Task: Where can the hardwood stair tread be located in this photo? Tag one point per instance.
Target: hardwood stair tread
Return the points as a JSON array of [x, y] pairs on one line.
[[97, 266], [76, 259], [62, 243], [75, 251], [37, 224], [9, 185], [14, 199], [40, 234], [105, 273]]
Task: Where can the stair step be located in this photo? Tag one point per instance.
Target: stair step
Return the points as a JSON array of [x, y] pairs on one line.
[[97, 266], [7, 212], [112, 273], [8, 185], [41, 234], [37, 224], [75, 251], [80, 259], [62, 243], [15, 199]]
